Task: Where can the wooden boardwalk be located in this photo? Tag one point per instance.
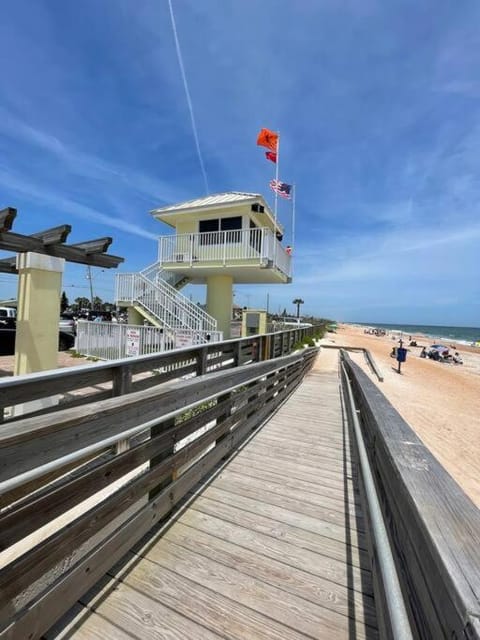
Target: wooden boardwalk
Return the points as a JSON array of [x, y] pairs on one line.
[[273, 547]]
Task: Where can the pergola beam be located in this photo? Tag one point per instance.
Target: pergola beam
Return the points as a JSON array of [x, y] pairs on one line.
[[55, 235], [94, 246], [8, 265], [7, 216]]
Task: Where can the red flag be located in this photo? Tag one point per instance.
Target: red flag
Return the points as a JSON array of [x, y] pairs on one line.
[[270, 155], [267, 138]]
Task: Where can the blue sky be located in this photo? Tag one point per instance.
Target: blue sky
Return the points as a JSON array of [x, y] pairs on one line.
[[376, 102]]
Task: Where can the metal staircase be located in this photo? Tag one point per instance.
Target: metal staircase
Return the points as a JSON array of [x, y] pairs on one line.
[[155, 272], [154, 292]]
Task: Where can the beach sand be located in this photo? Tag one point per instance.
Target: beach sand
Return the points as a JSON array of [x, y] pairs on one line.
[[440, 401]]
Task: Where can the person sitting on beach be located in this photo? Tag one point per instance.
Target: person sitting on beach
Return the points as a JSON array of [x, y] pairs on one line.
[[457, 358], [423, 353]]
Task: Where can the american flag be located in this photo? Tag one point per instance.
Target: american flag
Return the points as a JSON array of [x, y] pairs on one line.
[[282, 188]]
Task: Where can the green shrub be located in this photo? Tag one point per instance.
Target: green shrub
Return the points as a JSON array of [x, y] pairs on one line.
[[298, 345]]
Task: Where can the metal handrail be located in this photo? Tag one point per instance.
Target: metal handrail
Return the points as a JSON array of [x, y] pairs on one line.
[[79, 454], [397, 611], [163, 301], [155, 271]]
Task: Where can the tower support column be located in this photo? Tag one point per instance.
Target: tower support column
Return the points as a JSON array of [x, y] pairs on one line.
[[220, 301]]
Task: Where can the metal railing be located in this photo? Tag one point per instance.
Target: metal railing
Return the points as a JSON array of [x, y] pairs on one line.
[[112, 341], [423, 530], [161, 300], [156, 272], [395, 609], [257, 246]]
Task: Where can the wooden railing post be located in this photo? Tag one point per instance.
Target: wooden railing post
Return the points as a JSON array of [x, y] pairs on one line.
[[154, 432], [273, 345], [202, 361], [121, 384], [237, 354]]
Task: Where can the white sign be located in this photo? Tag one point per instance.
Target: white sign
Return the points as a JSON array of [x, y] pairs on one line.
[[133, 342], [183, 339]]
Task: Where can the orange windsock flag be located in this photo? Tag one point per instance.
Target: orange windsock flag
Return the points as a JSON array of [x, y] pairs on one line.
[[267, 138]]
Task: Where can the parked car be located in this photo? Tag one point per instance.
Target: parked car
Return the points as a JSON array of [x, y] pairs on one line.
[[7, 316], [7, 341], [68, 323], [438, 352]]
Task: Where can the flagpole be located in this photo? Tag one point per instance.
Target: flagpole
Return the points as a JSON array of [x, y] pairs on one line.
[[294, 195], [275, 208]]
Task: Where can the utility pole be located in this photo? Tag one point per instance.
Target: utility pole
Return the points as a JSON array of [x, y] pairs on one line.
[[89, 278]]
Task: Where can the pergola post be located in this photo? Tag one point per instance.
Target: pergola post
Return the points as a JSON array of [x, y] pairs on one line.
[[39, 290]]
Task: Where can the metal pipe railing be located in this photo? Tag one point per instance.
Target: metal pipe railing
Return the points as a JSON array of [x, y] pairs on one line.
[[397, 612], [80, 454]]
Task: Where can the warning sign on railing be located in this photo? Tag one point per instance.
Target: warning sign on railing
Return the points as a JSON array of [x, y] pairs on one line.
[[133, 342], [183, 339]]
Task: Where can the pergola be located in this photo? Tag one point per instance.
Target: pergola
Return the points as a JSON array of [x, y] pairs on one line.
[[39, 264], [51, 242]]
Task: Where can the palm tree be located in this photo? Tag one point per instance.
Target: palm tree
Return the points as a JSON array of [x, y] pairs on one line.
[[298, 302]]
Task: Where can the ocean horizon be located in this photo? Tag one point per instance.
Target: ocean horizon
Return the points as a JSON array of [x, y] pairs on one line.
[[465, 335]]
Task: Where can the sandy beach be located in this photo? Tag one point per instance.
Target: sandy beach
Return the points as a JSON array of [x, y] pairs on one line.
[[440, 401]]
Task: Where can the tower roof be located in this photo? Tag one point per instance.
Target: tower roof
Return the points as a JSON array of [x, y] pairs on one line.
[[218, 199]]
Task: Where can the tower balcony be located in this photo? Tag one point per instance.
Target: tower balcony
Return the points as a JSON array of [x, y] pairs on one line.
[[248, 255]]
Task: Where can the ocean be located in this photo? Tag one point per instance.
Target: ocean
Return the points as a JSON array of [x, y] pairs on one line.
[[465, 335]]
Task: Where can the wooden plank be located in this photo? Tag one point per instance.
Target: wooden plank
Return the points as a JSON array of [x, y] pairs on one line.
[[325, 476], [212, 609], [287, 552], [337, 499], [311, 460], [268, 525], [291, 610], [339, 448], [302, 521], [235, 477], [307, 585], [80, 624], [331, 484], [142, 616], [238, 486]]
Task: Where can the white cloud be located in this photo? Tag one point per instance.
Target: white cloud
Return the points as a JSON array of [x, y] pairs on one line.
[[24, 186]]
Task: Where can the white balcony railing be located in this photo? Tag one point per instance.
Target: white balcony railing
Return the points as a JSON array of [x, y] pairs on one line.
[[256, 246]]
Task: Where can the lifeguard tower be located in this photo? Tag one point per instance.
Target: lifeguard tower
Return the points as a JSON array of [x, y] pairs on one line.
[[219, 240]]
